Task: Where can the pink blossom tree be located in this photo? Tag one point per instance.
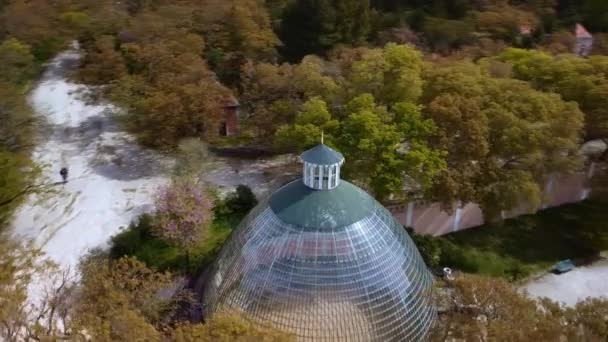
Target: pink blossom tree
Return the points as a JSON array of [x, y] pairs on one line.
[[184, 213]]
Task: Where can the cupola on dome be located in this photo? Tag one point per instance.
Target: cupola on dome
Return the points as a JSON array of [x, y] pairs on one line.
[[322, 259]]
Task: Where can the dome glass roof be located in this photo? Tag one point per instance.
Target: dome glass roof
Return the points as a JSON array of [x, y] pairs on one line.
[[324, 271], [304, 207]]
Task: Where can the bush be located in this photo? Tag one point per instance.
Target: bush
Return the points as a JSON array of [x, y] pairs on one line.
[[241, 201], [440, 252], [428, 246], [517, 247], [235, 206]]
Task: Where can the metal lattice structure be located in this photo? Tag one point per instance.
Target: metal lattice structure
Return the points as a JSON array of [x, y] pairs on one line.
[[326, 265]]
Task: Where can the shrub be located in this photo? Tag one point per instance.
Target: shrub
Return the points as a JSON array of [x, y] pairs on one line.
[[235, 206]]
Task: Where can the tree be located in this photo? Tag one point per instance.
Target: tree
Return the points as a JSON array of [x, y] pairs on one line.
[[32, 22], [445, 34], [103, 64], [251, 31], [561, 42], [193, 157], [428, 246], [505, 21], [16, 62], [383, 148], [171, 94], [314, 26], [479, 308], [17, 172], [574, 78], [183, 211], [16, 176], [454, 102], [273, 94], [532, 135], [391, 74], [74, 21], [120, 300], [44, 316], [310, 123], [228, 327], [241, 201], [594, 14], [502, 137]]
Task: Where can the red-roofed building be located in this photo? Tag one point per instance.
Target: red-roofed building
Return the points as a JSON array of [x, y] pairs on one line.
[[230, 125], [584, 41]]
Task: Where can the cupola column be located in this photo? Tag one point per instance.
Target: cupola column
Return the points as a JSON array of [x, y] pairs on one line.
[[321, 168]]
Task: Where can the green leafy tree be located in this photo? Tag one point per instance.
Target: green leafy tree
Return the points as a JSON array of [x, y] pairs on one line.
[[576, 79], [273, 94], [391, 74], [241, 201], [310, 123], [17, 172], [381, 148], [502, 137], [16, 61], [16, 176]]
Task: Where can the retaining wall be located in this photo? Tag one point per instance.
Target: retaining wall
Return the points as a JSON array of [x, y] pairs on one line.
[[431, 219]]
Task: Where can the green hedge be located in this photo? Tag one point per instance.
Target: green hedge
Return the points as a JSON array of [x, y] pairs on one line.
[[518, 247]]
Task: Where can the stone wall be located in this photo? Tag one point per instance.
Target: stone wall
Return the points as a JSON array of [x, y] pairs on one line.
[[431, 219]]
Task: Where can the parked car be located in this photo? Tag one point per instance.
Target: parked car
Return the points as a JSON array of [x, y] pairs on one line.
[[563, 266]]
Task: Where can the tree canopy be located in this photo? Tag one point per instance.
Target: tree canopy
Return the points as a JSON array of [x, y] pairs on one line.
[[502, 137]]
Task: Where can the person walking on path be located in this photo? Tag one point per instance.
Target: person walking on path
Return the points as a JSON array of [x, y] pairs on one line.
[[64, 174]]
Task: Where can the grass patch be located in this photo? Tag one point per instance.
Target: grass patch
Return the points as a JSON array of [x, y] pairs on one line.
[[139, 241], [528, 244]]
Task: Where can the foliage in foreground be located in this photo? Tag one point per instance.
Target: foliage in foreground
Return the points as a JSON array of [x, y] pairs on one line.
[[116, 300], [229, 327], [123, 300], [475, 308]]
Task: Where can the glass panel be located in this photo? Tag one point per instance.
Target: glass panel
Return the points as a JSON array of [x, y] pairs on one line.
[[362, 282]]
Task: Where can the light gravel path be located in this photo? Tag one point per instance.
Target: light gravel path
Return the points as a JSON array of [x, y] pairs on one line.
[[574, 286], [111, 179]]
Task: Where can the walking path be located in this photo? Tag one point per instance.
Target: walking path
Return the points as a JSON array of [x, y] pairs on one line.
[[110, 179], [574, 286]]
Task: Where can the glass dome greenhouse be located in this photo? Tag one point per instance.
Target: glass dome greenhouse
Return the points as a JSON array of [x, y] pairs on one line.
[[322, 259]]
